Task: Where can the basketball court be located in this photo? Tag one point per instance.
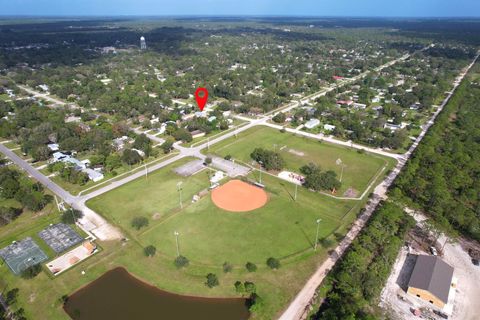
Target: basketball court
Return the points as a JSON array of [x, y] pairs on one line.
[[239, 196], [21, 255]]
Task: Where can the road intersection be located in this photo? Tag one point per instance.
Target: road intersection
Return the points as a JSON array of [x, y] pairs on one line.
[[96, 225]]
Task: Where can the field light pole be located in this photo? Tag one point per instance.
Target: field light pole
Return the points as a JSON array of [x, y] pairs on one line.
[[340, 163], [261, 163], [316, 238], [179, 189], [176, 240]]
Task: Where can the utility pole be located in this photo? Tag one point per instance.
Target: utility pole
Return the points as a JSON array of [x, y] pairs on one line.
[[296, 191], [316, 238], [146, 170], [176, 240], [261, 163]]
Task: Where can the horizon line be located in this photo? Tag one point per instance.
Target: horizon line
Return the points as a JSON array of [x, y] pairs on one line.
[[229, 16]]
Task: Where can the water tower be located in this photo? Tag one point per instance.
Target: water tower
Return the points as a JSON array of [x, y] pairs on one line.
[[143, 44]]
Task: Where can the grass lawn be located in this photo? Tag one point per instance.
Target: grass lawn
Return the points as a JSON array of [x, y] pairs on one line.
[[284, 229], [297, 151], [281, 229], [209, 236], [153, 198]]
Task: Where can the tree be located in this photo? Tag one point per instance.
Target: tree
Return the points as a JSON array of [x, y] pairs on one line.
[[279, 117], [212, 280], [71, 216], [11, 296], [251, 267], [239, 287], [322, 181], [131, 157], [32, 271], [250, 287], [310, 168], [149, 251], [182, 134], [139, 222], [181, 262], [208, 161], [270, 160], [273, 263], [167, 146], [142, 142]]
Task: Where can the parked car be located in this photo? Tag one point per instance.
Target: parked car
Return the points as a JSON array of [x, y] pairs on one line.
[[476, 262], [433, 251]]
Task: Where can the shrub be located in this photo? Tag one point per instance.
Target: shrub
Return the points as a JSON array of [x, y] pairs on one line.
[[208, 161], [239, 287], [227, 267], [255, 302], [139, 222], [212, 280], [251, 267], [150, 251], [181, 262], [273, 263], [250, 287], [228, 157]]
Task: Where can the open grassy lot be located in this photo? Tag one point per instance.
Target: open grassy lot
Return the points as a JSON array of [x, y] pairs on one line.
[[154, 197], [297, 151]]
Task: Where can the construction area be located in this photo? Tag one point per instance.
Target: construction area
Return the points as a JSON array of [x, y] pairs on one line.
[[437, 294]]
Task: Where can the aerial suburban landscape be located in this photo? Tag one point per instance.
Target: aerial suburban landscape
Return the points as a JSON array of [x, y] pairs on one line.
[[231, 165]]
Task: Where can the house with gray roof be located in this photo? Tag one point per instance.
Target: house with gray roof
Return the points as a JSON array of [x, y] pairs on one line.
[[431, 280]]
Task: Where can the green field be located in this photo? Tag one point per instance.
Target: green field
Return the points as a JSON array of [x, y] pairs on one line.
[[297, 151], [284, 229]]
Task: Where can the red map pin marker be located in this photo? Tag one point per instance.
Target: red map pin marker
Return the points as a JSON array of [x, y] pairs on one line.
[[201, 95]]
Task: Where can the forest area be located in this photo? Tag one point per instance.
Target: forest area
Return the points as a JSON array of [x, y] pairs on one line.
[[442, 179], [443, 176]]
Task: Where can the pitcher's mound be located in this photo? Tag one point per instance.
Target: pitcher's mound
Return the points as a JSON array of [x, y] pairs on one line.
[[239, 196]]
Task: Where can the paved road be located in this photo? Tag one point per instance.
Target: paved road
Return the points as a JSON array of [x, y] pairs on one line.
[[91, 221], [298, 308], [150, 136], [44, 96], [333, 140]]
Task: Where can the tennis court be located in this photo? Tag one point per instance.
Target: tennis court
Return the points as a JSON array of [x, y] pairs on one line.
[[22, 254], [60, 237]]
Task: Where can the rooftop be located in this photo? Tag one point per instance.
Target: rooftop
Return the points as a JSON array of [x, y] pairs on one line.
[[432, 274]]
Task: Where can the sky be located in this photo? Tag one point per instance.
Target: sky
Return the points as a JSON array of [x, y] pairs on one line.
[[350, 8]]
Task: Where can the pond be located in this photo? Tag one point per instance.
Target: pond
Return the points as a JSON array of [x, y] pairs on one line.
[[119, 295]]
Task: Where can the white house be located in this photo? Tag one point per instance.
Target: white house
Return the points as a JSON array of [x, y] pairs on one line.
[[93, 175], [312, 123], [53, 146], [329, 127]]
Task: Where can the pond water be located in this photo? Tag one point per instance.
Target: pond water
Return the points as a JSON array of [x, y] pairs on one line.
[[119, 295]]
